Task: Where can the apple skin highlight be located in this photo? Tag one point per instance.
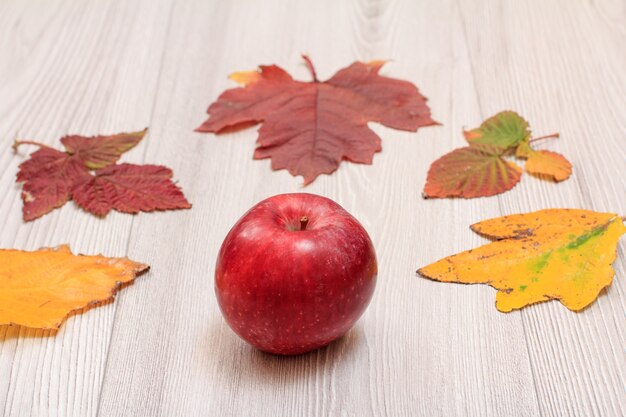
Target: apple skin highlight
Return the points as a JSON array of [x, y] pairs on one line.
[[295, 273]]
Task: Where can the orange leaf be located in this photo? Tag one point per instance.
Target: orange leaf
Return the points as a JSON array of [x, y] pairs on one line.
[[549, 164], [40, 289], [556, 254]]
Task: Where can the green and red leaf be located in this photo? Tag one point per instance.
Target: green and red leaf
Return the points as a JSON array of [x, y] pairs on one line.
[[480, 169], [472, 171], [504, 130]]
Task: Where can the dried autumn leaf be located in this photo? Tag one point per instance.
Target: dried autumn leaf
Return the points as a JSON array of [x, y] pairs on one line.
[[480, 169], [473, 171], [48, 178], [310, 127], [544, 163], [51, 178], [40, 289], [130, 189], [100, 151], [505, 130], [556, 254], [550, 164]]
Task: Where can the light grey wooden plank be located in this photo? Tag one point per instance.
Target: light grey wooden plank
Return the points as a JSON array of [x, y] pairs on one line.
[[564, 72], [68, 67]]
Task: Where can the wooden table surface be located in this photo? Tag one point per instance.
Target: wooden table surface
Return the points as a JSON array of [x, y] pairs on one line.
[[422, 348]]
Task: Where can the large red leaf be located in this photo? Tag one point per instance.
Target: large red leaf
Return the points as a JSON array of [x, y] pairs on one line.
[[472, 171], [309, 127], [130, 189]]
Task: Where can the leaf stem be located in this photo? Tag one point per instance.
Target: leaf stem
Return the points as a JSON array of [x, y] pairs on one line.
[[17, 143], [310, 67], [554, 135]]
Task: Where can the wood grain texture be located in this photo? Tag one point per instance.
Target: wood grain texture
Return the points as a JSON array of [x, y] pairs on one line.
[[422, 348]]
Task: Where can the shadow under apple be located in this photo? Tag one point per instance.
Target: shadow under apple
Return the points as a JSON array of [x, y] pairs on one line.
[[249, 365]]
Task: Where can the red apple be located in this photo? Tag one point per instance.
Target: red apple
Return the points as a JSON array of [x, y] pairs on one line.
[[295, 273]]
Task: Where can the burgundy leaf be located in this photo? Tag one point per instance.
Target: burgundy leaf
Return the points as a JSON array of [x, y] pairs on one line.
[[130, 189], [100, 151], [310, 127], [48, 177]]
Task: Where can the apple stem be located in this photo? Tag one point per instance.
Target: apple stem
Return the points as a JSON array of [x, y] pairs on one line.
[[304, 220]]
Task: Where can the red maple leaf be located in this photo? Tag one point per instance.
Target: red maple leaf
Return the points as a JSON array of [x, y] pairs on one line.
[[51, 178], [309, 127]]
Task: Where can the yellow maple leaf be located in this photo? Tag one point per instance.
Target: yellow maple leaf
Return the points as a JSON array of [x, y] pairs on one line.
[[40, 289], [556, 254]]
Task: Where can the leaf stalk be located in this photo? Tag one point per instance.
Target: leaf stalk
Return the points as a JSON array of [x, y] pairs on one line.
[[310, 67], [552, 136], [17, 143]]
